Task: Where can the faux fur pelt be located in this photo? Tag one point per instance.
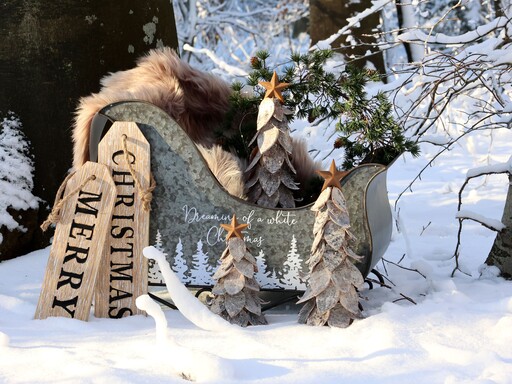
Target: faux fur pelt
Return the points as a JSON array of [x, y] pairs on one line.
[[227, 169], [198, 101]]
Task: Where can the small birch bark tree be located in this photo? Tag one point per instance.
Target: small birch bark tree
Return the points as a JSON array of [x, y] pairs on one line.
[[236, 291], [271, 173], [331, 296]]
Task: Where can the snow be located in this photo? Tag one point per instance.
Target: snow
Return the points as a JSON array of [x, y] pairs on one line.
[[189, 306], [440, 38], [229, 69], [184, 361], [425, 327], [459, 331], [493, 168]]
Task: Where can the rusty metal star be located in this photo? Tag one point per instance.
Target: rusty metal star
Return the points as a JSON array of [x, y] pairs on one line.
[[274, 87], [332, 176], [234, 229]]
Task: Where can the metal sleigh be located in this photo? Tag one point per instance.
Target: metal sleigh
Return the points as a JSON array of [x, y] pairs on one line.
[[189, 204]]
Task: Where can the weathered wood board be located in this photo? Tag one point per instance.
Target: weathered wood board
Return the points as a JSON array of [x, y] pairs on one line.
[[124, 270], [77, 247], [189, 205]]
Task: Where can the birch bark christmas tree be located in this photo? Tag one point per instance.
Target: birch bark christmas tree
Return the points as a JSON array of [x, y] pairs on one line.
[[331, 296], [271, 173], [236, 291]]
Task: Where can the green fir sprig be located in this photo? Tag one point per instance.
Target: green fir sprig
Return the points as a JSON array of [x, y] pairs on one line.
[[368, 131]]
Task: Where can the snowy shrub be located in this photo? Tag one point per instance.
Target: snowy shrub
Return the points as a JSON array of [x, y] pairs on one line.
[[16, 172]]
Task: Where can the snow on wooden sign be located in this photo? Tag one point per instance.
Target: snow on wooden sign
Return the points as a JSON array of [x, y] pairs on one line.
[[123, 269], [77, 247], [189, 206]]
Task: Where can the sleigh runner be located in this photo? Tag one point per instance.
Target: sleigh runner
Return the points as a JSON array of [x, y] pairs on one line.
[[189, 205]]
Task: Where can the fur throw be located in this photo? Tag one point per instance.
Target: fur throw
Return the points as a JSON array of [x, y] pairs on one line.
[[198, 101], [226, 168]]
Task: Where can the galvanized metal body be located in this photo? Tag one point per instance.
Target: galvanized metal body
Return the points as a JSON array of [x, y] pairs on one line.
[[189, 205]]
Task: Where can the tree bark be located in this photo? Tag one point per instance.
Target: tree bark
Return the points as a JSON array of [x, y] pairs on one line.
[[501, 251], [54, 52]]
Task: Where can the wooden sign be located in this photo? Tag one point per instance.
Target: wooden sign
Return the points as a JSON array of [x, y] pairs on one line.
[[191, 205], [123, 271], [77, 247]]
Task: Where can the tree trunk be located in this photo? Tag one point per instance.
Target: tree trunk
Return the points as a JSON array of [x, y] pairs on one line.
[[54, 52], [501, 251], [329, 16]]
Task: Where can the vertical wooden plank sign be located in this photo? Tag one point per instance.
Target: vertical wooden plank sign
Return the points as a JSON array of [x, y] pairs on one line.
[[124, 270], [77, 247]]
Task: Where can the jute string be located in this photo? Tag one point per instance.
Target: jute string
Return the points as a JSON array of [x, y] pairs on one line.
[[54, 216], [146, 195]]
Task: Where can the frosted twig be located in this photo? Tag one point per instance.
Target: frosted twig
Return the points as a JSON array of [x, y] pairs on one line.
[[405, 298], [425, 227]]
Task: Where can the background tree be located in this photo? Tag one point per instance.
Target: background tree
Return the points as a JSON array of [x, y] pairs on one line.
[[51, 54], [18, 206], [501, 251], [473, 75], [245, 26], [328, 16]]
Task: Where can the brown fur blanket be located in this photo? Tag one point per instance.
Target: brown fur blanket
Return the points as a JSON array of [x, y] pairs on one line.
[[198, 101]]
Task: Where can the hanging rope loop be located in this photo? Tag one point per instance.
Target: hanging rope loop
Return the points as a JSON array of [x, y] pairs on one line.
[[60, 200], [146, 195]]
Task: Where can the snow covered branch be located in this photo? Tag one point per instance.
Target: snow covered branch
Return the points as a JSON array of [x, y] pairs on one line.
[[489, 223], [466, 38], [234, 30], [461, 88], [376, 7]]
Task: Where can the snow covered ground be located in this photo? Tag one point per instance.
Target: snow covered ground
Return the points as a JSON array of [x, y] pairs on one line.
[[460, 330]]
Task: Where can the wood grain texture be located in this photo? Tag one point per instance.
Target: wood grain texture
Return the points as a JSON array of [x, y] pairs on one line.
[[124, 270], [77, 248]]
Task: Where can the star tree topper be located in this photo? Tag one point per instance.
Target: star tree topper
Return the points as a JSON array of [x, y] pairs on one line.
[[274, 87], [234, 229], [332, 177]]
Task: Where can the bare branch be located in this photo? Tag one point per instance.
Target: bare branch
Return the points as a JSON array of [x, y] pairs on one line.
[[402, 267], [425, 227], [405, 298]]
